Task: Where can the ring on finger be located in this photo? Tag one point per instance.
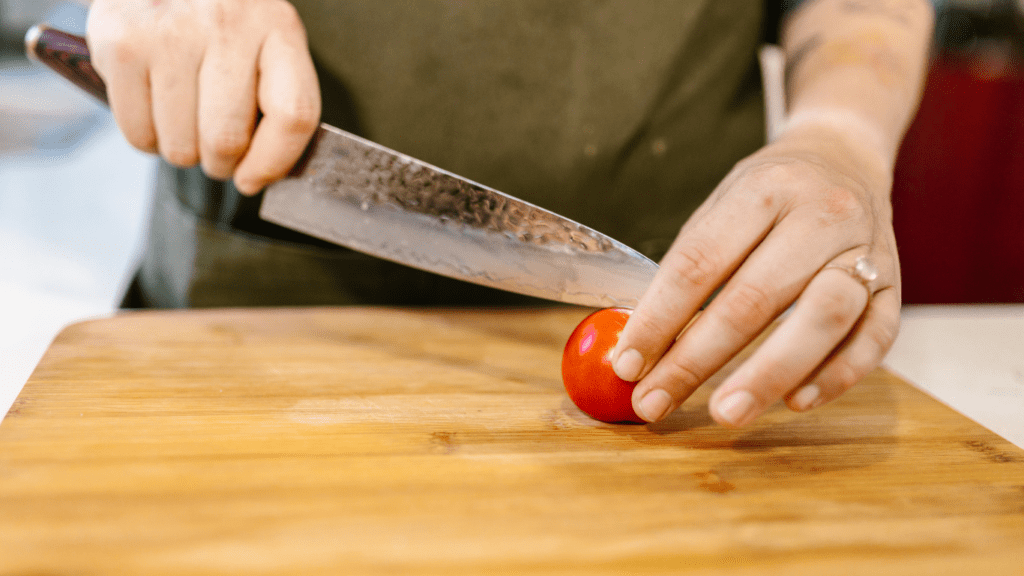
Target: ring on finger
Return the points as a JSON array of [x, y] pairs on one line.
[[863, 270]]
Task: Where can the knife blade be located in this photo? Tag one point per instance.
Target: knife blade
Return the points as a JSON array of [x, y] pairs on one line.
[[364, 196]]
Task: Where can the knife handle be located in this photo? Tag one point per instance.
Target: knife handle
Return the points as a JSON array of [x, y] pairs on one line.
[[66, 54]]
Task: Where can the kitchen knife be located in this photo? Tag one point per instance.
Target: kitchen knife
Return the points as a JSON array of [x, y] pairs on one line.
[[361, 195]]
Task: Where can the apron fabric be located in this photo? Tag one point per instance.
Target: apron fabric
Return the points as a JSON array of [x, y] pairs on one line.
[[621, 115]]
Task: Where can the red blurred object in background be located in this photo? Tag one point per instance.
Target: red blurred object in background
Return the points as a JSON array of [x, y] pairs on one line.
[[958, 193]]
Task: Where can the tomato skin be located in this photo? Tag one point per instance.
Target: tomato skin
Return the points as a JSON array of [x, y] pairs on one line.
[[587, 371]]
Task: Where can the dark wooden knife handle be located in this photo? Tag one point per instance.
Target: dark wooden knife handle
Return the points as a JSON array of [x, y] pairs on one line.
[[66, 54]]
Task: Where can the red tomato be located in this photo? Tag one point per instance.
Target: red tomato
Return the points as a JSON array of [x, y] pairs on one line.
[[587, 371]]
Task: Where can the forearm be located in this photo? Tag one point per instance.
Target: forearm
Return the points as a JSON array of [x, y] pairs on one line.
[[858, 65]]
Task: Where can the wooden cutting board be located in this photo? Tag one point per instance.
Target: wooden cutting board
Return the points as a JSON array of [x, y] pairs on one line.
[[382, 441]]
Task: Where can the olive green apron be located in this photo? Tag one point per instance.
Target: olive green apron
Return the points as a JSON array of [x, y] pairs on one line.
[[622, 115]]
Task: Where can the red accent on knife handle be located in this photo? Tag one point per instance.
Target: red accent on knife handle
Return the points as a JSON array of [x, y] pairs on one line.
[[68, 55]]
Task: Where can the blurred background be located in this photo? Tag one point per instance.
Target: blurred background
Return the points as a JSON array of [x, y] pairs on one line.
[[74, 198], [958, 194]]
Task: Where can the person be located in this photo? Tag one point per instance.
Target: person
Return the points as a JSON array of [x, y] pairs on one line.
[[641, 119]]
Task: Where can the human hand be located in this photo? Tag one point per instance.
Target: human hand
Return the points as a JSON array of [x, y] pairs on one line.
[[188, 79], [785, 227]]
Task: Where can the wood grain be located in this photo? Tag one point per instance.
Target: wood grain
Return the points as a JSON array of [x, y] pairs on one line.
[[383, 441]]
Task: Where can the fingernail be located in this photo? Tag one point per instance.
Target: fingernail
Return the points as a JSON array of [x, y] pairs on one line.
[[737, 408], [807, 397], [655, 405], [628, 365]]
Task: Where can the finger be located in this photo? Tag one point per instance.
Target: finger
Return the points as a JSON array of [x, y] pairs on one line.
[[756, 294], [861, 353], [227, 106], [126, 72], [174, 80], [289, 98], [823, 316], [704, 254]]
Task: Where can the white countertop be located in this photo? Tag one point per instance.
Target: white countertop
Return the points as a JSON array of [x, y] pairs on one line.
[[969, 357], [71, 228]]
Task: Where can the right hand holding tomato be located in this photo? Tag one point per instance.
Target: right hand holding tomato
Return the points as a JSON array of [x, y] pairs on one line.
[[188, 79]]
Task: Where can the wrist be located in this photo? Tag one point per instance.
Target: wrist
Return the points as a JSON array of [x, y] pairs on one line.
[[845, 140], [859, 135]]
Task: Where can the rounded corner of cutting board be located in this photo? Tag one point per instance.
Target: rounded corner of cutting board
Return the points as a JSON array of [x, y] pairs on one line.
[[84, 324]]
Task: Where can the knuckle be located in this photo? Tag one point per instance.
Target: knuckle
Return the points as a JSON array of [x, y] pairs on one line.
[[882, 335], [286, 17], [217, 171], [252, 181], [838, 309], [640, 324], [226, 15], [302, 116], [171, 29], [647, 334], [683, 373], [227, 144], [249, 182], [774, 173], [140, 138], [767, 180], [121, 50], [746, 307], [844, 376], [143, 144], [773, 377], [764, 183], [181, 156], [695, 264], [839, 205], [110, 40]]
